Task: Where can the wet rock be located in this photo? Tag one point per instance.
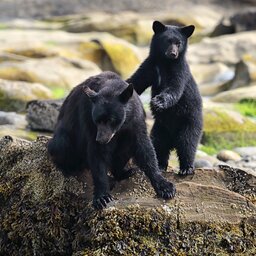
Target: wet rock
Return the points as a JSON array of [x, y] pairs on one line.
[[14, 95], [53, 215], [42, 114], [226, 155]]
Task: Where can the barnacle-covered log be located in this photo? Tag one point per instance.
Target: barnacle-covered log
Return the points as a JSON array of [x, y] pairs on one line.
[[44, 213]]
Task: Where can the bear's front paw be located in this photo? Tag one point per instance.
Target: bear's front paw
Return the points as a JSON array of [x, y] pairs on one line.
[[187, 171], [158, 103], [165, 189], [100, 202]]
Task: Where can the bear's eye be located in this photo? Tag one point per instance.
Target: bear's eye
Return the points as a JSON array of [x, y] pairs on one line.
[[178, 44]]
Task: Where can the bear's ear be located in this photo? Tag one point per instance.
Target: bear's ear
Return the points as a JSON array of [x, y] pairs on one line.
[[126, 94], [90, 93], [158, 27], [188, 30]]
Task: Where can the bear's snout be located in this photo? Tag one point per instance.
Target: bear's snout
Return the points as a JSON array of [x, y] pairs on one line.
[[172, 52], [104, 137]]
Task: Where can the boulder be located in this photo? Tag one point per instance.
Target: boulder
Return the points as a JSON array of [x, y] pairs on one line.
[[227, 49], [111, 53], [137, 27], [133, 27], [14, 95], [53, 72], [44, 212], [236, 95], [104, 49], [42, 114], [238, 22]]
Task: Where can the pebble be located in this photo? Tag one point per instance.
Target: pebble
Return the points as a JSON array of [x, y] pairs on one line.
[[201, 163], [226, 155]]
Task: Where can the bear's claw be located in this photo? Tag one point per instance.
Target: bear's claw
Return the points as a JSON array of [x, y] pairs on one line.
[[165, 189], [184, 172], [101, 202]]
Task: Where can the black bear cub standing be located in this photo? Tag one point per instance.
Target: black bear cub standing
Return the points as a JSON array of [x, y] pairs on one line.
[[101, 126], [176, 102]]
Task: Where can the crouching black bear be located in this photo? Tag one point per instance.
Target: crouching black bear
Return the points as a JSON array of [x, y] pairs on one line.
[[101, 126], [176, 102]]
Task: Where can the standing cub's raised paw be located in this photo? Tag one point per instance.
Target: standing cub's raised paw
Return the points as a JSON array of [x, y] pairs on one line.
[[164, 189], [100, 202], [158, 103], [189, 171]]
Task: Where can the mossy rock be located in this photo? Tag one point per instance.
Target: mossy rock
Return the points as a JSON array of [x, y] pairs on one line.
[[112, 54], [227, 129], [44, 213], [14, 95], [17, 132]]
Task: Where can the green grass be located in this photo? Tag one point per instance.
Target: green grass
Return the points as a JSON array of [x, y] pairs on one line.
[[247, 107], [213, 143], [208, 149]]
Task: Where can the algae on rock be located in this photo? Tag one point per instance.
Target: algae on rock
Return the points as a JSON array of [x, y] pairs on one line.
[[227, 129]]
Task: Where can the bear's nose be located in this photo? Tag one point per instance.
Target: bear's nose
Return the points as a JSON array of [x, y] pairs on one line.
[[173, 55]]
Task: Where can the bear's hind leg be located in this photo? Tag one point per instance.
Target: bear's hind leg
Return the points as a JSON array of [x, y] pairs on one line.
[[120, 169], [161, 142], [63, 154], [186, 145]]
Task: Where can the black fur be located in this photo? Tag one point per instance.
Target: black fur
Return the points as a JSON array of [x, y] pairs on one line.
[[176, 102], [101, 126]]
